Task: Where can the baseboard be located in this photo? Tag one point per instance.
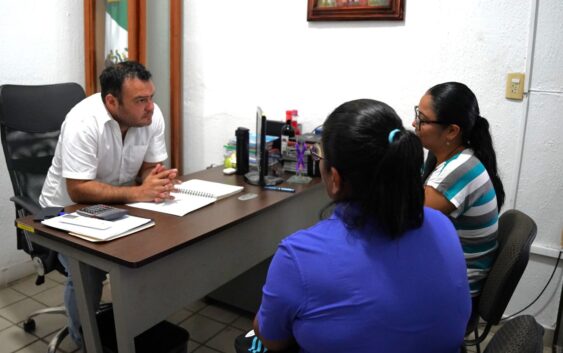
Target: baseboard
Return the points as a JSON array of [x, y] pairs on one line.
[[546, 250], [14, 272]]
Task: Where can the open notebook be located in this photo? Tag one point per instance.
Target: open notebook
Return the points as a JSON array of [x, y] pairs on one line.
[[190, 196]]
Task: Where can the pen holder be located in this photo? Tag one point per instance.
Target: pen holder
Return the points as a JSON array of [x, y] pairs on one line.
[[313, 167]]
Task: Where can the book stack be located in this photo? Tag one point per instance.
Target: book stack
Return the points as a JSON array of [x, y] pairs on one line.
[[97, 230], [273, 153]]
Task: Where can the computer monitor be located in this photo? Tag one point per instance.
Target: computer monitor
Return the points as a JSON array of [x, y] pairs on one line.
[[260, 175]]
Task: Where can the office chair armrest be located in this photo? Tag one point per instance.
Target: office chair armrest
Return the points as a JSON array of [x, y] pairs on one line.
[[26, 204]]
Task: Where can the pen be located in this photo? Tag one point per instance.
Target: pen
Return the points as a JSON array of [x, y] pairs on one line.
[[279, 188]]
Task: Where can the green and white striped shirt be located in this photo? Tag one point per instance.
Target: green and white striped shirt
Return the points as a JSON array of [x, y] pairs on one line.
[[464, 181]]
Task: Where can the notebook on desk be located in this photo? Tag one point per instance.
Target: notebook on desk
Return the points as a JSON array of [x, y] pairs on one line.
[[190, 196], [97, 230]]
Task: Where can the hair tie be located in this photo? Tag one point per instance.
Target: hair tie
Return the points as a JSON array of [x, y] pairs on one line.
[[392, 134]]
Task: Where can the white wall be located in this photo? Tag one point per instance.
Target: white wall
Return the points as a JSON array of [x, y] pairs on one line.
[[42, 43], [261, 52], [257, 52], [540, 185], [158, 57], [269, 55]]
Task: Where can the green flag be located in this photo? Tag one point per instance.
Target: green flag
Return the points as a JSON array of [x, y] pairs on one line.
[[116, 32]]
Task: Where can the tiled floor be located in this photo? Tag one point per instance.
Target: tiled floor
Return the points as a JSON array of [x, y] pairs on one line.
[[212, 328]]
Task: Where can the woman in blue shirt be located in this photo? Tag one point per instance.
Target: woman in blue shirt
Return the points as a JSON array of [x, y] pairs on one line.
[[382, 273]]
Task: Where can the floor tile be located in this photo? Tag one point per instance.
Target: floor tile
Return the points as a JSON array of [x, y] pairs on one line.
[[20, 310], [225, 340], [204, 349], [4, 323], [219, 314], [201, 328], [27, 285], [192, 346], [52, 296], [196, 306], [56, 276], [9, 296], [179, 316], [36, 347], [244, 323], [14, 338]]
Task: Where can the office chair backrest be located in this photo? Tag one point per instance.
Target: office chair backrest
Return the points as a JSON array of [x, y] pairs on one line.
[[519, 335], [429, 165], [31, 118], [30, 122], [516, 233]]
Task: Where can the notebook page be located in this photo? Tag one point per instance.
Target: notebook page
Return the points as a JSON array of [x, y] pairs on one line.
[[204, 187], [180, 206]]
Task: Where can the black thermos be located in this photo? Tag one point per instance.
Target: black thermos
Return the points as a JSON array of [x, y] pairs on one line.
[[241, 134]]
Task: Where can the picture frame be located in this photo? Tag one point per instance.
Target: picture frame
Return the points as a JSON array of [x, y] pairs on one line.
[[355, 10]]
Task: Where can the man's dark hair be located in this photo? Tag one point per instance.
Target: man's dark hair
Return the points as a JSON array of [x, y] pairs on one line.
[[380, 171], [113, 76]]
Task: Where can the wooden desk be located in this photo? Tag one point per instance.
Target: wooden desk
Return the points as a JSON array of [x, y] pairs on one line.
[[155, 272]]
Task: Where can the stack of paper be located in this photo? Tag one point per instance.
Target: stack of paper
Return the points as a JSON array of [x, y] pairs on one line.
[[98, 230]]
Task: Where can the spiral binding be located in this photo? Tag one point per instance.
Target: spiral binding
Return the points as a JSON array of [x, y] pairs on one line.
[[194, 192]]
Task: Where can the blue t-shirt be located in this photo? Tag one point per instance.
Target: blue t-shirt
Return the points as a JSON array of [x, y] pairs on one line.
[[336, 289]]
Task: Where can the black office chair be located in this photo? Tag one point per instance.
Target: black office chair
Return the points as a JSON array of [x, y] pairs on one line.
[[30, 122], [516, 232], [519, 335], [429, 165]]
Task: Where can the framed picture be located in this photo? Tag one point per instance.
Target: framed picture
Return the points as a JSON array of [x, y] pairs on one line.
[[355, 10]]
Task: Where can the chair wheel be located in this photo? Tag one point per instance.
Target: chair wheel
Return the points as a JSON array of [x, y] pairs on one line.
[[29, 325]]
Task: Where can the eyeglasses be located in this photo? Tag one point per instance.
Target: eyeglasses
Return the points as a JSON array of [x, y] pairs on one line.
[[418, 119], [316, 153]]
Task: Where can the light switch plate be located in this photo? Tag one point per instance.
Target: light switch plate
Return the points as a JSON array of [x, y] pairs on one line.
[[515, 85]]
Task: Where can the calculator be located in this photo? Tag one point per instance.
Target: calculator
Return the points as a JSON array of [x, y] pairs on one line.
[[104, 212]]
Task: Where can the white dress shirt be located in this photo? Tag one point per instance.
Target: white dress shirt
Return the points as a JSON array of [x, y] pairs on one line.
[[91, 147]]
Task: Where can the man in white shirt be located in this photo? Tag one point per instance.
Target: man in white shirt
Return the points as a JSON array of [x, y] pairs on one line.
[[110, 150]]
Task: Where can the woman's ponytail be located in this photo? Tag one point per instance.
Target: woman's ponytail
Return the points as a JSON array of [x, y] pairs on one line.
[[379, 165], [398, 194], [455, 103], [482, 144]]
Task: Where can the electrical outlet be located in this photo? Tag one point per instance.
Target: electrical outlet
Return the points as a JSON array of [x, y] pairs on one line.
[[515, 86]]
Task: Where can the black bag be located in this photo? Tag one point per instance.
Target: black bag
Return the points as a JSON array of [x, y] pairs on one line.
[[250, 343]]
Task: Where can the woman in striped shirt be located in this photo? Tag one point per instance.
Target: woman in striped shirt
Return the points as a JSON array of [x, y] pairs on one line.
[[463, 183]]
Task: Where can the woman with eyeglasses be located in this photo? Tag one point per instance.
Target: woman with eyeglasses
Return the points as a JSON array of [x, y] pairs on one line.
[[463, 183], [382, 273]]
